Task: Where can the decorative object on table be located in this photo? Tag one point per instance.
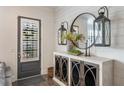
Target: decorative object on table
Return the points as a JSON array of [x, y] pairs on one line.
[[85, 23], [73, 40], [103, 27], [89, 52], [86, 48], [62, 31]]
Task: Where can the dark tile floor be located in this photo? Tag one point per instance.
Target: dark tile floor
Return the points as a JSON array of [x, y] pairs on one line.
[[36, 81]]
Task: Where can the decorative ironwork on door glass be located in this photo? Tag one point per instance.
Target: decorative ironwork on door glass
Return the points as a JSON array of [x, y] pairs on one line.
[[29, 39], [64, 70], [61, 68], [90, 75], [57, 66], [75, 74]]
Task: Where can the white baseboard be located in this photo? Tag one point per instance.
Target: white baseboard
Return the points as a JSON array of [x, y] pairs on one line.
[[58, 81], [29, 77]]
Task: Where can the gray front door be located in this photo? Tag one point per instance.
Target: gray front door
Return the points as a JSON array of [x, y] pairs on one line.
[[29, 47]]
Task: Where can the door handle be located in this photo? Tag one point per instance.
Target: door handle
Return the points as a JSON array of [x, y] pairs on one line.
[[19, 55]]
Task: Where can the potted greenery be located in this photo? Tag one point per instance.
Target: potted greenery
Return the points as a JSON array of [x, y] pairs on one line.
[[73, 40]]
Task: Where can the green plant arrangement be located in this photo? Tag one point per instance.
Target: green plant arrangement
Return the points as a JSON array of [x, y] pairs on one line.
[[74, 39]]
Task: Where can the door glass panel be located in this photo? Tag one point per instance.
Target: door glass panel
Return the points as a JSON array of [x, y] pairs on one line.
[[107, 33], [57, 66], [90, 75], [75, 79], [64, 68], [29, 46]]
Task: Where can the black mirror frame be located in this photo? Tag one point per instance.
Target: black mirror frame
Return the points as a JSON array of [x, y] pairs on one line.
[[71, 28]]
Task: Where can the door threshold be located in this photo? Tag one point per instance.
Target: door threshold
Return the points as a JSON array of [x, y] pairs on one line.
[[29, 77]]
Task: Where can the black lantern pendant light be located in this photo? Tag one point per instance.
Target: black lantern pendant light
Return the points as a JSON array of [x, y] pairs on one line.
[[62, 31], [102, 28]]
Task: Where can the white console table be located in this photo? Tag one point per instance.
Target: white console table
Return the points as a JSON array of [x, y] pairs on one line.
[[73, 70]]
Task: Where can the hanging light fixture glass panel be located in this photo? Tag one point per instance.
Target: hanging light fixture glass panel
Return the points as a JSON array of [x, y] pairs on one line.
[[98, 32], [64, 32], [107, 33], [61, 33], [59, 37]]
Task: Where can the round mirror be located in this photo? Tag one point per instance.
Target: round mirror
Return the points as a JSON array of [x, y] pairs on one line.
[[84, 24]]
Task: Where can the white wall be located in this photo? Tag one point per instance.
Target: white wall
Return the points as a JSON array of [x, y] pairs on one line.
[[8, 34], [116, 51]]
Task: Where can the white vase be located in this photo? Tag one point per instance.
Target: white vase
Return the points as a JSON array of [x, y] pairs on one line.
[[69, 45]]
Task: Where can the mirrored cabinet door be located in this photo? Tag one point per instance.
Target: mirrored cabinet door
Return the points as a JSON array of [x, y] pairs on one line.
[[64, 70], [61, 69], [91, 74], [57, 66], [75, 73]]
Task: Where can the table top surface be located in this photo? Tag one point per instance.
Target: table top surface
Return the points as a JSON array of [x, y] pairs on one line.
[[92, 59]]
